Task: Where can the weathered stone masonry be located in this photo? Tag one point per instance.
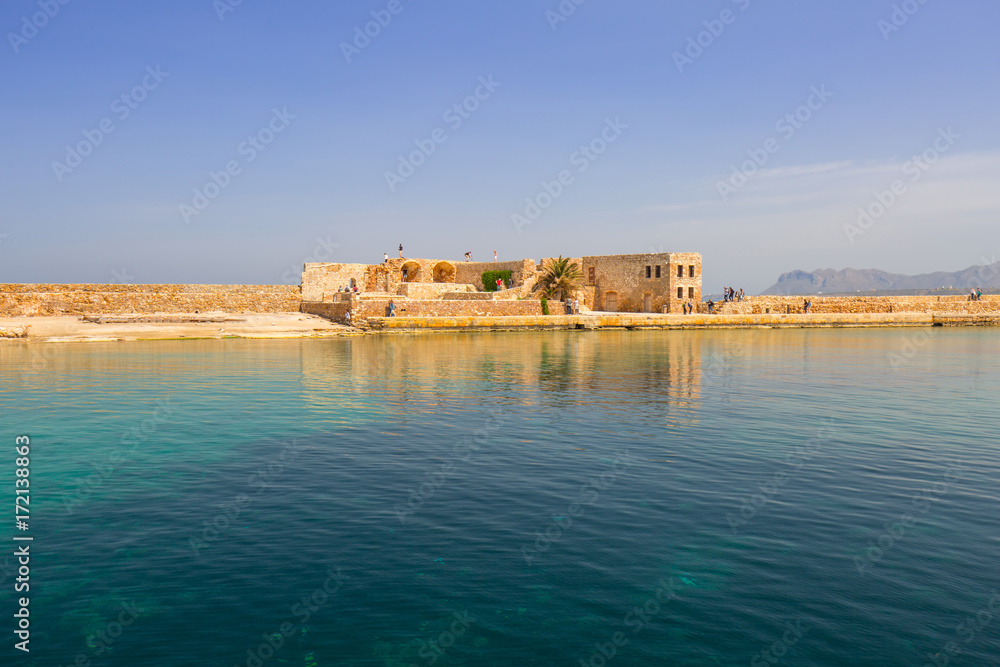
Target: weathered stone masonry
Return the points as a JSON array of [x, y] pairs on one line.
[[18, 300], [646, 283]]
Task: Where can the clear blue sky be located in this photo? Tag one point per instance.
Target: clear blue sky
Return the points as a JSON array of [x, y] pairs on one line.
[[680, 128]]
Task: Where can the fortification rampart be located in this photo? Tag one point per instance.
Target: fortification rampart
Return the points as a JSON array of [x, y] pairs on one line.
[[761, 305], [369, 307], [20, 300]]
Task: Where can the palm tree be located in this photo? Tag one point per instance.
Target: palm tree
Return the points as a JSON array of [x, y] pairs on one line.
[[559, 277]]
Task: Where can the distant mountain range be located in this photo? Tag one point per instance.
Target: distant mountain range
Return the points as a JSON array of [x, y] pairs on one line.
[[829, 281]]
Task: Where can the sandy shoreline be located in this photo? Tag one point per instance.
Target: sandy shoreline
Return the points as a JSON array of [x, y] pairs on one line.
[[73, 328]]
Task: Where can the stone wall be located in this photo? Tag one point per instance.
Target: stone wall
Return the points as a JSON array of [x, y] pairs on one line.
[[521, 271], [336, 312], [755, 305], [17, 300], [371, 306], [323, 280], [433, 290], [629, 283]]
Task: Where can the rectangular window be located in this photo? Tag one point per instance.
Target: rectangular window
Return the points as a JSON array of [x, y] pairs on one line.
[[657, 270], [691, 270], [590, 275], [649, 272], [690, 292], [680, 271], [680, 292]]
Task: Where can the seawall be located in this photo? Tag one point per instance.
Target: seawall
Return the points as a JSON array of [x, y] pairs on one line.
[[762, 305], [656, 321], [28, 300]]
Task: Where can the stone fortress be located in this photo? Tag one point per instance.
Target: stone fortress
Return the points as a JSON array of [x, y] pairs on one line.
[[615, 291], [642, 283]]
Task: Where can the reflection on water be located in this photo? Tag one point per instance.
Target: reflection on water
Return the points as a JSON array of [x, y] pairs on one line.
[[705, 417]]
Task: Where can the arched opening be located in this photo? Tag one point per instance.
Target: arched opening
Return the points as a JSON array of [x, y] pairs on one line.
[[444, 272], [410, 272], [611, 302]]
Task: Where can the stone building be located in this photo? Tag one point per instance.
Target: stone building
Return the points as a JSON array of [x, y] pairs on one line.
[[652, 283], [646, 283]]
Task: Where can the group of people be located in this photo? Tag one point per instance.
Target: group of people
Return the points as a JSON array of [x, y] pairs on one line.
[[976, 294], [729, 294], [348, 288], [385, 255], [468, 255], [572, 306], [688, 307]]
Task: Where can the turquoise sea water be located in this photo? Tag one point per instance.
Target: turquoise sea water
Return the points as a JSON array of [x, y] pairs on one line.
[[806, 497]]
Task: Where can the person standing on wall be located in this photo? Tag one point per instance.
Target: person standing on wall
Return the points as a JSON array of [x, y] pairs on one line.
[[494, 255], [401, 251]]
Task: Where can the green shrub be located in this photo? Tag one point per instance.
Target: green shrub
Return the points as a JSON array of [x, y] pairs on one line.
[[490, 279], [545, 306]]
